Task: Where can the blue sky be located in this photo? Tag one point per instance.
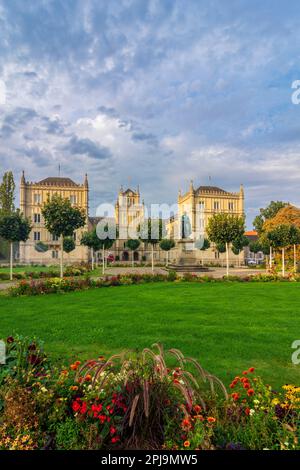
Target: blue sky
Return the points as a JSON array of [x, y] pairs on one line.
[[153, 93]]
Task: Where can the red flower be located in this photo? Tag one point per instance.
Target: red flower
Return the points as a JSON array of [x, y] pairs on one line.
[[231, 385], [251, 369], [10, 339], [247, 411], [102, 418], [245, 372], [115, 439], [250, 392], [246, 385], [235, 396], [112, 430], [197, 409], [83, 408], [76, 406]]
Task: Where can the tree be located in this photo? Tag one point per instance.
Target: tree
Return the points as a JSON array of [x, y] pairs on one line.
[[7, 194], [239, 244], [91, 240], [225, 229], [280, 238], [166, 245], [202, 244], [294, 240], [69, 244], [14, 228], [267, 213], [255, 246], [62, 219], [152, 231], [133, 244]]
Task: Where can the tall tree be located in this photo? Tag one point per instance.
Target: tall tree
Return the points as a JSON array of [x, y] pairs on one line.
[[267, 213], [239, 244], [152, 231], [62, 219], [91, 240], [14, 228], [133, 244], [225, 229], [166, 244], [7, 194]]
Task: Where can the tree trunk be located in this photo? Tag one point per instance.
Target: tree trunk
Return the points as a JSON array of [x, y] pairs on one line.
[[295, 258], [227, 259], [61, 256], [167, 258], [271, 258], [283, 262], [132, 260], [11, 261], [92, 250], [152, 257], [103, 260]]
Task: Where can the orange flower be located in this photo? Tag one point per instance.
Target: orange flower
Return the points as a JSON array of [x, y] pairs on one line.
[[186, 444], [235, 396], [211, 419], [247, 411], [64, 372], [197, 408], [200, 417], [73, 366], [74, 388], [88, 378], [250, 392], [78, 363]]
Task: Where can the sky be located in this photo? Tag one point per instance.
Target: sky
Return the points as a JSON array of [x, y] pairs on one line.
[[153, 93]]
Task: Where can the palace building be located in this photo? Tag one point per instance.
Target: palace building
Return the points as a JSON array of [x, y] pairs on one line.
[[187, 227], [32, 197]]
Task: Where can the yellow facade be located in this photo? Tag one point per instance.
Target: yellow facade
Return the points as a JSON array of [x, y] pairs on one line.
[[32, 198]]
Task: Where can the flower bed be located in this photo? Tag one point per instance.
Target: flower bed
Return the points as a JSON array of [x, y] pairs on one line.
[[137, 401], [68, 284]]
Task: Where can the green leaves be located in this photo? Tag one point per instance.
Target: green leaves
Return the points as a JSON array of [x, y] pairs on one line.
[[284, 235], [133, 244], [15, 228], [91, 240], [225, 228], [268, 213], [166, 244], [61, 218], [68, 244], [7, 194]]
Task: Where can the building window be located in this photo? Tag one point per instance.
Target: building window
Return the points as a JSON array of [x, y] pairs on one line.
[[37, 198], [217, 255], [201, 205], [231, 206], [37, 218], [73, 199], [216, 205], [54, 238], [37, 236], [54, 254], [74, 236]]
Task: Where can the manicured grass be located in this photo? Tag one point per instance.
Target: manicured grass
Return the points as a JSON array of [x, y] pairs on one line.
[[228, 327], [29, 269]]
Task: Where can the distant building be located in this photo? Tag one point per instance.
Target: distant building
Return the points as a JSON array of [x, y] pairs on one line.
[[32, 198]]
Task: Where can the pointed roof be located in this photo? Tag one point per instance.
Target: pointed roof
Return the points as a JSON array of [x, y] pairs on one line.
[[210, 189]]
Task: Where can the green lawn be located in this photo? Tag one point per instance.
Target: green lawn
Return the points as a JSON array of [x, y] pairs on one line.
[[28, 268], [227, 326]]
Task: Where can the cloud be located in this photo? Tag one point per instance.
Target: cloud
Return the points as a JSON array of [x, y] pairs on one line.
[[155, 92], [87, 147]]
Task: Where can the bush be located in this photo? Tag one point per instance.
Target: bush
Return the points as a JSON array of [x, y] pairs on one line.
[[138, 401]]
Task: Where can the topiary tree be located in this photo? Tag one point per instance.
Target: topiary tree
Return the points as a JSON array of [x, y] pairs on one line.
[[69, 244], [225, 229], [166, 244], [62, 219], [14, 228], [133, 244], [280, 237], [7, 194], [294, 240], [91, 240], [239, 244], [152, 231]]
